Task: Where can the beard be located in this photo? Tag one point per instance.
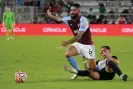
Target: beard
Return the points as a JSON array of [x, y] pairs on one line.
[[74, 16]]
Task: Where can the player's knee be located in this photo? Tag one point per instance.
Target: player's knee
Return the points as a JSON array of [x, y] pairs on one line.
[[92, 66], [96, 78], [67, 55], [94, 75]]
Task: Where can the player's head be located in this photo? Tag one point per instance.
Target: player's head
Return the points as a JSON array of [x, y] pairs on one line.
[[8, 8], [105, 49], [75, 10]]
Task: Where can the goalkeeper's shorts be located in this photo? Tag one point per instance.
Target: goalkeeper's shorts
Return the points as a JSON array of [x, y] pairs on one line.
[[9, 26]]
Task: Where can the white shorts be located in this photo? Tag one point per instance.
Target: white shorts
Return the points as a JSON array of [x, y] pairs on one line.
[[87, 51]]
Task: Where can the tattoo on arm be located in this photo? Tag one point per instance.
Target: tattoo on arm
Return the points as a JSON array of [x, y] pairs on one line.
[[76, 38]]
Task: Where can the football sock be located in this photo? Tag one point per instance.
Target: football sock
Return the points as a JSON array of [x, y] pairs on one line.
[[73, 62], [83, 73]]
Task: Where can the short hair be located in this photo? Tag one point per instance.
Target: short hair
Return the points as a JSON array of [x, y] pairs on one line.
[[115, 57], [76, 5], [106, 47]]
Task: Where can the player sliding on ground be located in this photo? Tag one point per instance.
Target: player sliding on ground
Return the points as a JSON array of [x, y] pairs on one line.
[[106, 68], [81, 42], [8, 23]]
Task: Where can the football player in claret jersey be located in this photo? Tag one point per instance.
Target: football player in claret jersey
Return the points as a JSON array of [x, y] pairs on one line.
[[81, 43]]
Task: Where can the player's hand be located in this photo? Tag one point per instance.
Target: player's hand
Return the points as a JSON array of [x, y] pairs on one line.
[[3, 24], [13, 25], [49, 13], [64, 43]]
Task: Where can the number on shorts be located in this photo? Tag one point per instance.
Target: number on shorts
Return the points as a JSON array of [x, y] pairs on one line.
[[90, 52]]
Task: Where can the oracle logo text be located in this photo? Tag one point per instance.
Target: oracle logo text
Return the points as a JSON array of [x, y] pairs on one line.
[[54, 29], [101, 30], [127, 30], [15, 30]]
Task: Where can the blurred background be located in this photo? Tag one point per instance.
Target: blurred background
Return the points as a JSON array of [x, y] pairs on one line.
[[97, 11]]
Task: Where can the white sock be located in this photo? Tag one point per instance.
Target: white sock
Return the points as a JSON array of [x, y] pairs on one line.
[[76, 71], [121, 76]]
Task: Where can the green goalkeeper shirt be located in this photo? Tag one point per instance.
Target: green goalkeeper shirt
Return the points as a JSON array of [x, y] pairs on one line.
[[8, 18]]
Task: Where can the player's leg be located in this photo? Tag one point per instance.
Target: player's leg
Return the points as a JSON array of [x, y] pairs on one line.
[[83, 73], [7, 31], [72, 51], [78, 72], [89, 52], [70, 69], [92, 64], [11, 31], [92, 74], [117, 70]]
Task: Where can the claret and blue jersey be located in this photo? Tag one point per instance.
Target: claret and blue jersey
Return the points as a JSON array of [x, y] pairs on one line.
[[81, 24]]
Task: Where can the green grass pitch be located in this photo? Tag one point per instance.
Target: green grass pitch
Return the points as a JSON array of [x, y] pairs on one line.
[[42, 58]]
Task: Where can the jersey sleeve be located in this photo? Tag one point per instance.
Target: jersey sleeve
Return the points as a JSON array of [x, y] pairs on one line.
[[84, 25], [65, 19]]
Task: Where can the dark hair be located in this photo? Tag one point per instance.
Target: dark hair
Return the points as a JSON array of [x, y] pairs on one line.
[[115, 57], [76, 5], [106, 47]]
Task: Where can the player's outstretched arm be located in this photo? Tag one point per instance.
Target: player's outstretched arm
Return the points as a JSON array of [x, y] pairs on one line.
[[54, 17]]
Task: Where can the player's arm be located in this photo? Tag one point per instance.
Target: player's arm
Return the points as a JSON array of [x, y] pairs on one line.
[[113, 60], [13, 20], [81, 30], [4, 18], [108, 55], [76, 38], [54, 17]]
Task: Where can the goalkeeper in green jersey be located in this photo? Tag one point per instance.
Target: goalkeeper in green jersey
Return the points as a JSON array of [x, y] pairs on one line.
[[8, 22]]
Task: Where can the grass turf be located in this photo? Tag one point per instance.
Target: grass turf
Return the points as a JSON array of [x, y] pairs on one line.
[[42, 58]]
